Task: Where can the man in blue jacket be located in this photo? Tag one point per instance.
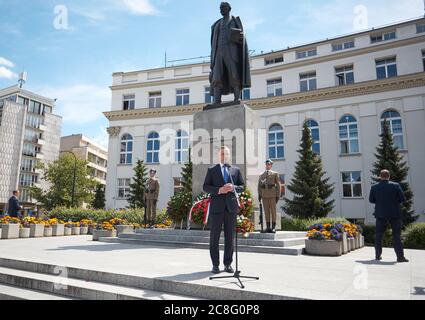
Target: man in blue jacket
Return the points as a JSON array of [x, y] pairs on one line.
[[387, 197], [223, 208], [13, 206]]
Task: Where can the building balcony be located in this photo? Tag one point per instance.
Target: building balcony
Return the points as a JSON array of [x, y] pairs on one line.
[[39, 156]]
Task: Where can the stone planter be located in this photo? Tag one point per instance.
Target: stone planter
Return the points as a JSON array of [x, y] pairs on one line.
[[104, 234], [90, 230], [361, 241], [58, 230], [323, 247], [357, 242], [10, 231], [124, 229], [75, 231], [352, 244], [344, 243], [48, 231], [67, 231], [84, 230], [37, 230], [24, 233], [0, 232]]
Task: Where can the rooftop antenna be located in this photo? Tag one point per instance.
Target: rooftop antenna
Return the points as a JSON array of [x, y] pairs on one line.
[[22, 78]]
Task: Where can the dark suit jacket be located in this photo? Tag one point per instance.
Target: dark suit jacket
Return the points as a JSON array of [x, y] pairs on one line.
[[13, 207], [214, 181], [387, 197]]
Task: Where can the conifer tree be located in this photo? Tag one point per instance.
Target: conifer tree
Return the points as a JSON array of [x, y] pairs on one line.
[[138, 186], [99, 198]]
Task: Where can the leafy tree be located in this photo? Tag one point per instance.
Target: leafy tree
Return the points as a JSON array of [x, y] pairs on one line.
[[99, 197], [138, 186], [310, 188], [388, 158], [59, 175]]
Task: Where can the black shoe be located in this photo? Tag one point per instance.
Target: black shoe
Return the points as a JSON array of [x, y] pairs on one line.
[[215, 270], [403, 259], [273, 227], [229, 269], [378, 258]]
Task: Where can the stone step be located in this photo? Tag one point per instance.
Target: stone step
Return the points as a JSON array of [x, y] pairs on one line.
[[15, 293], [79, 289], [204, 239], [293, 250]]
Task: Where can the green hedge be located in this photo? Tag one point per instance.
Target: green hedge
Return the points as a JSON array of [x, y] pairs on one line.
[[414, 236], [296, 224]]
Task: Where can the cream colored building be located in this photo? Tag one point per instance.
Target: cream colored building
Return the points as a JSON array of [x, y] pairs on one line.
[[344, 86]]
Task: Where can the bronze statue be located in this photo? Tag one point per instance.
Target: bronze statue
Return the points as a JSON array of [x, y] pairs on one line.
[[230, 71]]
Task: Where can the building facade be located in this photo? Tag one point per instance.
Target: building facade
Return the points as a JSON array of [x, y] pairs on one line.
[[86, 149], [29, 133], [345, 87]]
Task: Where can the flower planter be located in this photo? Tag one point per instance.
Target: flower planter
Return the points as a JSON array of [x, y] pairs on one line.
[[361, 241], [10, 231], [37, 230], [344, 243], [104, 234], [24, 233], [75, 231], [0, 231], [68, 231], [357, 242], [84, 230], [48, 231], [352, 244], [124, 229], [90, 230], [323, 247], [58, 230]]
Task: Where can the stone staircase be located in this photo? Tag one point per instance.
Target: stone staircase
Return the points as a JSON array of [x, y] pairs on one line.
[[283, 242]]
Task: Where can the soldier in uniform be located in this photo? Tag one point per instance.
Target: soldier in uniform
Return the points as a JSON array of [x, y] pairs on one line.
[[269, 191], [151, 196]]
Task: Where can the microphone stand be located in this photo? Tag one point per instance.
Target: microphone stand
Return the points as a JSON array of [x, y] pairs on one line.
[[237, 273]]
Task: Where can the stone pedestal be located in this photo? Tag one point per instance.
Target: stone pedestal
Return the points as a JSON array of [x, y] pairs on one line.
[[235, 126], [258, 225]]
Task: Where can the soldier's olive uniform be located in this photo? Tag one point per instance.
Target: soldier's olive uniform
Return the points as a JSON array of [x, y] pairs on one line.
[[152, 195], [269, 189]]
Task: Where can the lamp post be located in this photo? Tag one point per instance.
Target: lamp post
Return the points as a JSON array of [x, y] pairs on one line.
[[74, 178]]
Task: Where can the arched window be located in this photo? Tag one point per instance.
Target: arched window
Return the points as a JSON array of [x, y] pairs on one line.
[[315, 135], [182, 146], [396, 127], [276, 142], [126, 152], [348, 135], [152, 152]]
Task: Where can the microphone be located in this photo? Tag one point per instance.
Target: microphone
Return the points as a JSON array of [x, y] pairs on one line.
[[227, 165]]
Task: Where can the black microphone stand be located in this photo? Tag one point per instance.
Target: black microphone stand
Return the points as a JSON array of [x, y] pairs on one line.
[[237, 273]]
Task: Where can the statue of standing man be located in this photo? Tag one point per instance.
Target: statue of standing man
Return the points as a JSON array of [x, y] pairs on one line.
[[230, 71]]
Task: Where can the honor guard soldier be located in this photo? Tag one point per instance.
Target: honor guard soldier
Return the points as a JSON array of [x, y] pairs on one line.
[[269, 191], [152, 195]]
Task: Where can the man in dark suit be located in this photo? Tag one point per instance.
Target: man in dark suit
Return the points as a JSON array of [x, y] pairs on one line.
[[387, 197], [13, 206], [223, 208]]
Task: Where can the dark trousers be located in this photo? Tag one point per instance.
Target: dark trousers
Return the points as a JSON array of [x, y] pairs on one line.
[[381, 227], [217, 221]]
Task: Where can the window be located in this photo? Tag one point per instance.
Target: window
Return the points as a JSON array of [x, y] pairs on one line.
[[276, 142], [35, 107], [308, 82], [386, 68], [47, 109], [123, 188], [23, 101], [126, 153], [343, 46], [315, 135], [27, 180], [274, 60], [352, 184], [182, 146], [178, 185], [246, 94], [344, 75], [348, 135], [155, 99], [153, 144], [129, 102], [307, 53], [420, 28], [396, 127], [383, 37], [207, 93], [182, 97], [28, 165], [274, 87], [423, 58]]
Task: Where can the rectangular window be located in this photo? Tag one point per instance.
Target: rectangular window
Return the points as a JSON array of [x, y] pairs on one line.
[[307, 53], [123, 188], [129, 102], [208, 97], [155, 99], [423, 59], [343, 46], [352, 184], [386, 68], [182, 97], [23, 101], [35, 107], [274, 60], [274, 88], [344, 75], [420, 28], [246, 94], [382, 37], [308, 82]]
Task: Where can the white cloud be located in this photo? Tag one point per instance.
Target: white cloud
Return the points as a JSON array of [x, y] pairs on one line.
[[140, 7], [7, 63], [6, 73]]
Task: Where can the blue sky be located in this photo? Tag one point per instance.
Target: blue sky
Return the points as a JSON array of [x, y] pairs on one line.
[[74, 62]]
